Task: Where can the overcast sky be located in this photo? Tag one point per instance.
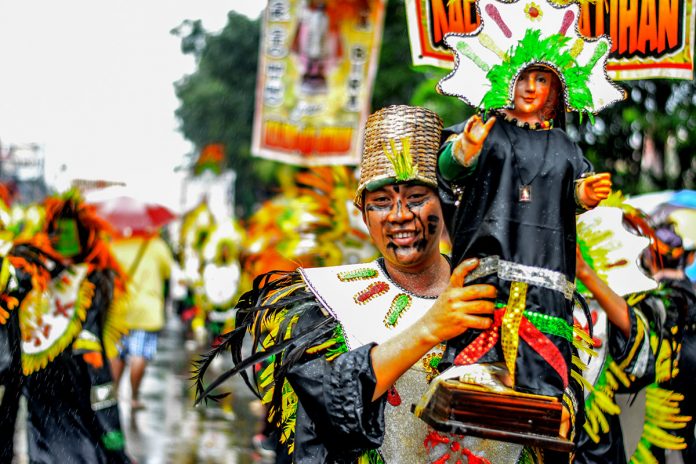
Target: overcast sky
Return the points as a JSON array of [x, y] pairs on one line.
[[91, 82]]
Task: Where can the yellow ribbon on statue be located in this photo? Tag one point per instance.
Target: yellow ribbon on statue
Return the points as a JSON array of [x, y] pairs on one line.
[[510, 329]]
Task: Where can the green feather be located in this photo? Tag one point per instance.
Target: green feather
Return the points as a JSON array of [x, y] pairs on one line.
[[401, 160]]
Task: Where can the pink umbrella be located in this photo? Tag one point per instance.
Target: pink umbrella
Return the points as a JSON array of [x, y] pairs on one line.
[[130, 216]]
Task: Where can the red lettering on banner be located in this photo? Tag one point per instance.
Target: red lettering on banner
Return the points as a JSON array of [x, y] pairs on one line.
[[457, 16], [637, 27]]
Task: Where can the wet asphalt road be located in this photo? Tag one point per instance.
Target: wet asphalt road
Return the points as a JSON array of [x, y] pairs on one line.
[[170, 430]]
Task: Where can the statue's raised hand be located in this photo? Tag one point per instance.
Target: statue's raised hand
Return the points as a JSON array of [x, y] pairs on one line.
[[593, 189], [468, 144]]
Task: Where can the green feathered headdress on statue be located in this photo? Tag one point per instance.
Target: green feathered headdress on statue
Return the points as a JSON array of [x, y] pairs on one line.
[[515, 35]]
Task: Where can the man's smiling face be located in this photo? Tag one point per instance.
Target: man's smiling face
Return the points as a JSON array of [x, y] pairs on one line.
[[405, 223]]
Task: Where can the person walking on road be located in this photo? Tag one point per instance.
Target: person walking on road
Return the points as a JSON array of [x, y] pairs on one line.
[[148, 263]]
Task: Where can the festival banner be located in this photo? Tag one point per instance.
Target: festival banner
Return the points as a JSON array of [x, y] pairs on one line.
[[317, 63], [650, 38]]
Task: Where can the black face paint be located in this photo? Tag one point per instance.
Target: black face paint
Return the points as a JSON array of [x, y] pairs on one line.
[[422, 242], [433, 222], [373, 207], [417, 203], [395, 188]]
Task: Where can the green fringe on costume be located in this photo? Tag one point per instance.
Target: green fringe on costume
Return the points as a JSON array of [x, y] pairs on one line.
[[371, 457]]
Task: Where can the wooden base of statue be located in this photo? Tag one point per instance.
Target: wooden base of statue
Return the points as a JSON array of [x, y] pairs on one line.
[[465, 409]]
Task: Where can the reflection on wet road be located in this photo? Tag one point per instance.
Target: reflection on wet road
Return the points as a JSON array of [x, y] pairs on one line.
[[170, 430]]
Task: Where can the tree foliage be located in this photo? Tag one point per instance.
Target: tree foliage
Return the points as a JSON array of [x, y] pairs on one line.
[[656, 113], [217, 100]]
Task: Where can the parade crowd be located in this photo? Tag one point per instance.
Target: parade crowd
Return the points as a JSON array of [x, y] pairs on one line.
[[483, 272]]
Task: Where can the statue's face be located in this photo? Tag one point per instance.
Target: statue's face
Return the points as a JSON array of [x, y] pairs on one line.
[[64, 237], [532, 90]]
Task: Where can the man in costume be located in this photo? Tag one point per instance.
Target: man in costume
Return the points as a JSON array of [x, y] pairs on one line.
[[607, 267], [513, 182], [348, 349], [66, 324], [671, 311]]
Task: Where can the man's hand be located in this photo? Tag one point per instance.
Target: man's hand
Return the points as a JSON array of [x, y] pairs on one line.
[[468, 145], [457, 309], [593, 189], [460, 307]]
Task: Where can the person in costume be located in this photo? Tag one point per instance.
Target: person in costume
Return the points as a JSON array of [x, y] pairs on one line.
[[606, 268], [10, 364], [671, 310], [67, 331], [10, 376], [349, 348], [512, 181]]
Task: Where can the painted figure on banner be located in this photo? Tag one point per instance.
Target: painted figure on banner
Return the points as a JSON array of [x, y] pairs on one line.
[[317, 44], [316, 69]]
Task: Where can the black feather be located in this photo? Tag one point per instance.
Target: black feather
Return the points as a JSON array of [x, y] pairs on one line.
[[313, 331]]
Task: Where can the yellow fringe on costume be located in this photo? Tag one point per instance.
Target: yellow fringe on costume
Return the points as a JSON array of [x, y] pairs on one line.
[[115, 324], [662, 412], [602, 402], [7, 302]]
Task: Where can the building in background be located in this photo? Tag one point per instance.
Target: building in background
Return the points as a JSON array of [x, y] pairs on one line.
[[22, 167]]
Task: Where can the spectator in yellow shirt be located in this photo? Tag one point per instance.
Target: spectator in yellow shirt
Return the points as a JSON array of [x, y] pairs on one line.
[[148, 262]]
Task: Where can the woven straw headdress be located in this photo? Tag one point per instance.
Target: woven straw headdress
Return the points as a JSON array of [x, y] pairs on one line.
[[401, 144]]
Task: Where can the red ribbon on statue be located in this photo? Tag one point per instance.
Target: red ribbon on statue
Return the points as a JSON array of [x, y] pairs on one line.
[[539, 342]]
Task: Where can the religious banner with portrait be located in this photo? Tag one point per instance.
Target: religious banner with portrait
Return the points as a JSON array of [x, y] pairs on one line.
[[317, 63], [650, 38]]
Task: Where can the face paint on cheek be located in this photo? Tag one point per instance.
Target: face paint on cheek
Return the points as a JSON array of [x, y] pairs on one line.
[[416, 204], [423, 241], [376, 208], [433, 222]]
